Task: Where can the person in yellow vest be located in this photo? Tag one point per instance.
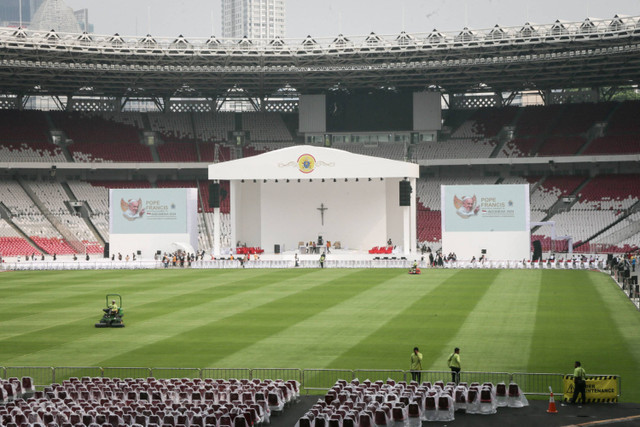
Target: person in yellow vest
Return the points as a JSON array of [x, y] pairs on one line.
[[580, 383], [454, 365], [416, 365], [112, 309]]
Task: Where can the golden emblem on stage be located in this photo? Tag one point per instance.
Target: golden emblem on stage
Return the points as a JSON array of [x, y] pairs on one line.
[[306, 163]]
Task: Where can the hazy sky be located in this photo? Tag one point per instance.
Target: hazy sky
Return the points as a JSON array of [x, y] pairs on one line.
[[327, 18]]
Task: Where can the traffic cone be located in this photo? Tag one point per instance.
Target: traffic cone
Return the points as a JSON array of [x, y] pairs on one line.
[[552, 403]]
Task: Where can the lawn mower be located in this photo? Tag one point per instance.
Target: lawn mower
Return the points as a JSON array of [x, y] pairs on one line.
[[113, 313], [415, 269]]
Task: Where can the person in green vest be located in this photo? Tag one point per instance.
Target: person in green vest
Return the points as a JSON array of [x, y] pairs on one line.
[[454, 365], [416, 365], [322, 258], [580, 383]]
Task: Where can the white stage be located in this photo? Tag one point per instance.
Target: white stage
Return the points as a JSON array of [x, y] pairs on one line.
[[284, 198]]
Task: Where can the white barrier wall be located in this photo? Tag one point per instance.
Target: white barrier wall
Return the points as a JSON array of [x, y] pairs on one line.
[[149, 220], [490, 217]]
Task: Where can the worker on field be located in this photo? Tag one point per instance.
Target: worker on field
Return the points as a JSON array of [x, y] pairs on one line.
[[580, 383], [414, 267], [454, 365], [113, 308], [416, 365]]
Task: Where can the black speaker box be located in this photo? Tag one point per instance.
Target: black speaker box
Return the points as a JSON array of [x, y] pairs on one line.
[[214, 195], [405, 193], [537, 250]]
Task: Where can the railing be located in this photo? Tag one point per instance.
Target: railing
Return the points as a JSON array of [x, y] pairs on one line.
[[106, 264], [554, 32], [311, 380], [628, 285]]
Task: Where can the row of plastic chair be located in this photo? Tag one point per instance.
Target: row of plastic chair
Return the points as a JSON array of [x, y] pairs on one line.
[[249, 251], [91, 402], [381, 250], [13, 388], [370, 404]]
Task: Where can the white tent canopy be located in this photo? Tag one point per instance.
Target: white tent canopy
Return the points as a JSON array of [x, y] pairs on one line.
[[299, 193]]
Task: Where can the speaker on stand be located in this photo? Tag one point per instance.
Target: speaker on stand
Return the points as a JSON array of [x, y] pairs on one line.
[[214, 195], [405, 193], [537, 250]]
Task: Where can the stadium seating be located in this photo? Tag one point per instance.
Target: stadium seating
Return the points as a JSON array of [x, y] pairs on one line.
[[208, 149], [388, 150], [96, 139], [265, 127], [555, 130], [213, 127], [23, 126], [452, 148], [14, 245], [561, 145], [31, 151], [184, 151], [172, 126]]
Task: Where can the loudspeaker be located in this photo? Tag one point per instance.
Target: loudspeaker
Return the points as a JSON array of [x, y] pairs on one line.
[[276, 249], [320, 241], [138, 252], [483, 251], [405, 193], [214, 195], [106, 250], [537, 250]]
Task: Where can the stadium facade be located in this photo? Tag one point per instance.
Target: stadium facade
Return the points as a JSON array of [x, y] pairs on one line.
[[96, 128]]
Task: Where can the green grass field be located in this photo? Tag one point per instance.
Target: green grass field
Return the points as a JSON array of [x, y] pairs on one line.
[[503, 320]]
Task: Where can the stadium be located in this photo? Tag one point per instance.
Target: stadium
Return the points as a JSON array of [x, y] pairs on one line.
[[234, 315]]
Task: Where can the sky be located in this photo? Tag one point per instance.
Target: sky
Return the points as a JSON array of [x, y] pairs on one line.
[[328, 18]]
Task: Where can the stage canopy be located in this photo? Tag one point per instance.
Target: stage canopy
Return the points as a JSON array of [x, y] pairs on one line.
[[287, 197]]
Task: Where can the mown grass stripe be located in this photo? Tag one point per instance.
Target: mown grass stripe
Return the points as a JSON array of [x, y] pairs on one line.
[[69, 304], [506, 316], [427, 322], [574, 323], [213, 340], [87, 343], [343, 325]]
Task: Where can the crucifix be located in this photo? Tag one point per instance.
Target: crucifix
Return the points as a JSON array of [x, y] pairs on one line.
[[322, 209]]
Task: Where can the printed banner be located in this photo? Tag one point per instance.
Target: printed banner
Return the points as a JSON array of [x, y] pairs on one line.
[[602, 388], [485, 208], [148, 211]]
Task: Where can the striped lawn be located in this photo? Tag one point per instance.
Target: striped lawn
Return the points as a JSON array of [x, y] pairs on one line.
[[509, 321]]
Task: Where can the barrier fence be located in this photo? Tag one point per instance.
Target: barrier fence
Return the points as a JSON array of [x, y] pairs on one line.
[[393, 262], [311, 380]]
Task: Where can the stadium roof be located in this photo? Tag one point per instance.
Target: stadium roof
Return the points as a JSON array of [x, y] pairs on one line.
[[591, 53]]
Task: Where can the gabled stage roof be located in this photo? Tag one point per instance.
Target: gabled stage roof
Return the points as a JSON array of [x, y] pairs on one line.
[[310, 162]]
